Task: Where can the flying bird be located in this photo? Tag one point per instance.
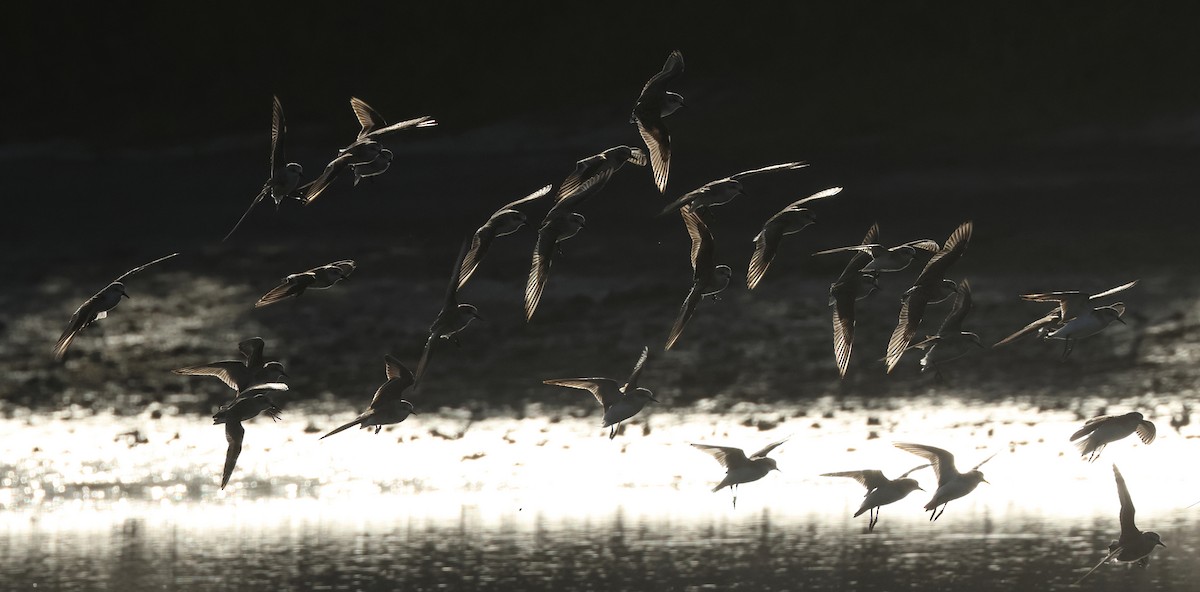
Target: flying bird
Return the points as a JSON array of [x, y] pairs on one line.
[[246, 406], [1086, 325], [708, 278], [1069, 304], [738, 468], [317, 278], [240, 375], [285, 176], [1133, 546], [888, 259], [931, 287], [387, 407], [365, 149], [951, 342], [505, 221], [1106, 429], [378, 166], [97, 307], [563, 222], [654, 104], [853, 285], [620, 401], [789, 220], [453, 318], [951, 483], [881, 491], [722, 191]]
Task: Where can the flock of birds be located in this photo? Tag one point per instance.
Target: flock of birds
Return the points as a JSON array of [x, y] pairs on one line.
[[1076, 315]]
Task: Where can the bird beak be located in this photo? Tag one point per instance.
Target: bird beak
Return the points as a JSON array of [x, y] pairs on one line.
[[651, 397], [126, 295], [480, 317], [1122, 321], [283, 374], [985, 480], [919, 488]]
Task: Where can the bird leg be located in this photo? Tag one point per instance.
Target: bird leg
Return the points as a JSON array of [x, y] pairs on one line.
[[873, 517], [1068, 345], [377, 428], [939, 514], [734, 490]]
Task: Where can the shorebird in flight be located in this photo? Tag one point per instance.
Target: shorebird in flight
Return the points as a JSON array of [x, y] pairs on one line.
[[620, 401], [1133, 546], [853, 285], [708, 278], [1072, 304], [505, 221], [884, 259], [740, 469], [96, 308], [1106, 429], [453, 318], [285, 176], [931, 287], [951, 483], [722, 191], [317, 278], [951, 342], [881, 491], [789, 220], [240, 375], [387, 407], [246, 406], [654, 104], [365, 150]]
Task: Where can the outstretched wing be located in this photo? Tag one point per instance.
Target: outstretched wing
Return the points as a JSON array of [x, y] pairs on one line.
[[398, 371], [277, 129], [1090, 426], [952, 325], [1128, 528], [729, 457], [140, 268], [227, 371], [671, 68], [912, 309], [1146, 431], [768, 448], [941, 261], [368, 118], [599, 387], [631, 384], [234, 432], [1051, 318], [293, 285], [843, 325], [832, 191], [942, 461], [480, 243], [539, 269], [528, 198], [657, 138], [787, 166], [702, 241], [870, 478], [686, 310]]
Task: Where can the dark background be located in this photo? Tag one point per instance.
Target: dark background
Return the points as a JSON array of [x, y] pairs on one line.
[[1068, 131]]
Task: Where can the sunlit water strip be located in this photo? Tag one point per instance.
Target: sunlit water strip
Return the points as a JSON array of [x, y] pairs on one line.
[[549, 502]]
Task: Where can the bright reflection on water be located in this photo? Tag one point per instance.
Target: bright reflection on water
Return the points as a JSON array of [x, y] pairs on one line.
[[549, 503]]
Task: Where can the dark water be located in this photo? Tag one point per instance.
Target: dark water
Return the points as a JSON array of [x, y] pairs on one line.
[[613, 551]]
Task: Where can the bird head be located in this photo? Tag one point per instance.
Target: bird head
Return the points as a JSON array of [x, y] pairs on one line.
[[275, 368], [976, 476], [672, 102], [723, 272], [770, 462], [408, 406], [470, 311], [1108, 314], [645, 393], [1153, 536], [294, 167], [974, 339], [118, 288]]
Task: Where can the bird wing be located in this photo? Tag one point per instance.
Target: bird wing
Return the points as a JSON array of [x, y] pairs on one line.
[[425, 355], [863, 248], [368, 118], [952, 325], [1090, 426], [480, 242], [1052, 317], [335, 167], [597, 386], [539, 269], [1112, 291], [870, 478], [860, 259], [1128, 528], [914, 469], [252, 349], [728, 456], [277, 129], [141, 267], [702, 242], [942, 461], [982, 462], [1146, 431], [230, 372], [353, 422], [671, 68], [397, 370], [843, 325], [687, 198], [450, 299], [768, 448], [585, 170], [923, 244], [234, 432], [1107, 558], [657, 137], [292, 285], [528, 198], [936, 268], [787, 166], [766, 244], [631, 384], [261, 194], [686, 310], [422, 121], [832, 191], [911, 311]]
